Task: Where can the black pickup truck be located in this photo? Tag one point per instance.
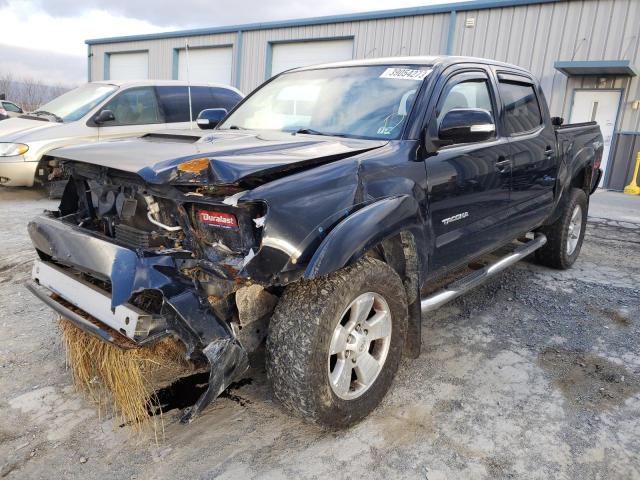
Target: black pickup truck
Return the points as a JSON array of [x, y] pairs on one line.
[[322, 212]]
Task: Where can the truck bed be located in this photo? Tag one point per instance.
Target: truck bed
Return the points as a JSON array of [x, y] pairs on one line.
[[576, 142]]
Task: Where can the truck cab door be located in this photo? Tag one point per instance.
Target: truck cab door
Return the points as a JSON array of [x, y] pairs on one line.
[[468, 183], [534, 165]]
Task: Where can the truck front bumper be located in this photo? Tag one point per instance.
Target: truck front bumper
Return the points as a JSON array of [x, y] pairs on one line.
[[70, 256], [89, 307], [71, 251]]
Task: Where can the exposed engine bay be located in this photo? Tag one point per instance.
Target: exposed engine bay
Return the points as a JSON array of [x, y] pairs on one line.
[[189, 247]]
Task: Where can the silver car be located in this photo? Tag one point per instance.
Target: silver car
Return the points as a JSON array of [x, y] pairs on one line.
[[9, 109], [99, 111]]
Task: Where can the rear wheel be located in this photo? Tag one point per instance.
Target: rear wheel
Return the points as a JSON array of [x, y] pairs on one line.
[[335, 343], [565, 235]]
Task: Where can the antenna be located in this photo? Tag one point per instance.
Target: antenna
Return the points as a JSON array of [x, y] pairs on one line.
[[186, 49]]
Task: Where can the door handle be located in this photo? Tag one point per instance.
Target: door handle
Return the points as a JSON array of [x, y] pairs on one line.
[[503, 164], [548, 152]]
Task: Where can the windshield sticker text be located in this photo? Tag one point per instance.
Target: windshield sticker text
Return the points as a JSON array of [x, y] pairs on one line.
[[405, 74]]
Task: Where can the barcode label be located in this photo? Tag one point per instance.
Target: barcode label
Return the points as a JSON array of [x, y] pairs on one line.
[[405, 74]]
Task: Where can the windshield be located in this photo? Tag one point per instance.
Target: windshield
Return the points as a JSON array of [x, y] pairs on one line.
[[78, 102], [364, 102]]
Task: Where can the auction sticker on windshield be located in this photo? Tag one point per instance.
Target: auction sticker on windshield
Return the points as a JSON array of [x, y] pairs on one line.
[[405, 73]]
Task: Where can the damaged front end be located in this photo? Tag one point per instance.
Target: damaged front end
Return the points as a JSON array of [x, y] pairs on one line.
[[134, 263]]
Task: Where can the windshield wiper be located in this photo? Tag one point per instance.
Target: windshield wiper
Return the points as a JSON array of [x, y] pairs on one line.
[[44, 112], [311, 131], [236, 127]]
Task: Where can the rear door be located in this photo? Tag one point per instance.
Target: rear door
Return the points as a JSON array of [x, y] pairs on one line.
[[468, 186], [533, 151]]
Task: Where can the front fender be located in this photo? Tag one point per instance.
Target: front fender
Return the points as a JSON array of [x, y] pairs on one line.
[[365, 228]]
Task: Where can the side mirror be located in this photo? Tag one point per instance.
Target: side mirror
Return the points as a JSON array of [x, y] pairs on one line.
[[557, 121], [104, 116], [465, 125], [209, 118]]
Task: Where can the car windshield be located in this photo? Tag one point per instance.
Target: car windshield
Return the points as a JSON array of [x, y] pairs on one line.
[[76, 103], [362, 102]]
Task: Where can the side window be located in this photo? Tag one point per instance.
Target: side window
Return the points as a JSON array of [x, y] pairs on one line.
[[521, 107], [135, 106], [201, 99], [175, 103], [469, 94], [223, 98], [11, 107]]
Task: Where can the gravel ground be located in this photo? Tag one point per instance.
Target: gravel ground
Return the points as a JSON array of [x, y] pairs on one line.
[[534, 375]]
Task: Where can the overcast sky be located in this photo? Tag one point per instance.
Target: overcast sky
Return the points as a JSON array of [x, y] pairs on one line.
[[45, 38]]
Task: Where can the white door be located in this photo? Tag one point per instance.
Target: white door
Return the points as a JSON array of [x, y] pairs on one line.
[[300, 54], [208, 65], [129, 66], [598, 106]]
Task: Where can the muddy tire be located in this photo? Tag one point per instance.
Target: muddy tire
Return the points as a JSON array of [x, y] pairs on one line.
[[565, 235], [335, 343]]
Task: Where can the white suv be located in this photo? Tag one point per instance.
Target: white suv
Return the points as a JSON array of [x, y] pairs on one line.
[[100, 111]]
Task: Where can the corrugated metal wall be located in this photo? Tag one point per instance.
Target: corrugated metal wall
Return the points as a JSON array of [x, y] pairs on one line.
[[418, 35], [160, 52], [533, 36]]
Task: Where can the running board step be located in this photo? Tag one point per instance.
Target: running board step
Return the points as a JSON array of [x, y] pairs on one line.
[[459, 287]]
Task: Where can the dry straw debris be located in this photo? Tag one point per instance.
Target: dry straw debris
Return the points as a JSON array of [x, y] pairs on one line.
[[122, 382]]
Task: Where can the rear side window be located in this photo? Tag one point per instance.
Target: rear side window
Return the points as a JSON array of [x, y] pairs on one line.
[[201, 99], [521, 108], [175, 101], [224, 98]]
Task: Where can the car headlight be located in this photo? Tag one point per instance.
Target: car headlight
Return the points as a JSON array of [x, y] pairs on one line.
[[13, 149]]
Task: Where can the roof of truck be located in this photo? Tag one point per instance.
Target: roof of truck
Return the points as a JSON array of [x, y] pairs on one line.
[[417, 60]]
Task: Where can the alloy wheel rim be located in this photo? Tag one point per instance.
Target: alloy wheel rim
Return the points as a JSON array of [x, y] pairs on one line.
[[359, 346], [575, 228]]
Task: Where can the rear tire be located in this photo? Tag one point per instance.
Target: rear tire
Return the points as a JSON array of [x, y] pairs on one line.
[[565, 235], [335, 343]]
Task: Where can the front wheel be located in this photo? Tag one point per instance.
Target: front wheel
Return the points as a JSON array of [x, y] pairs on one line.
[[565, 235], [335, 343]]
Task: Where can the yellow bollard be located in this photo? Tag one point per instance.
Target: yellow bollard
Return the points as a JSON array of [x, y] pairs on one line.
[[633, 188]]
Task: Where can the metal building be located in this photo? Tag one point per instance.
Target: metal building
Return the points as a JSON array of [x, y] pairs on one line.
[[585, 53]]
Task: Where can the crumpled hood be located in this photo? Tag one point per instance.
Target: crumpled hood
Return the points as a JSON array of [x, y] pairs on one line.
[[234, 156], [16, 129]]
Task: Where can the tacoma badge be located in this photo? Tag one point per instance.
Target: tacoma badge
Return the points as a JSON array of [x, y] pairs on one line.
[[455, 218]]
